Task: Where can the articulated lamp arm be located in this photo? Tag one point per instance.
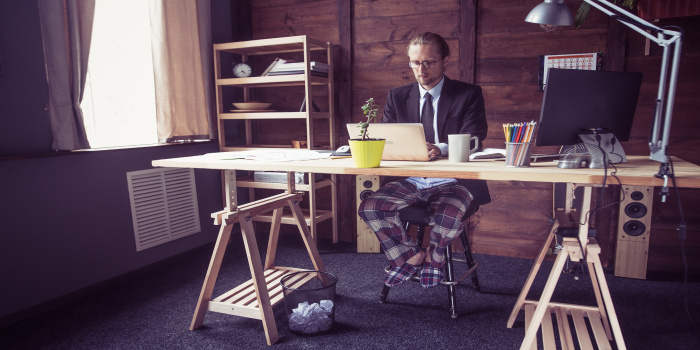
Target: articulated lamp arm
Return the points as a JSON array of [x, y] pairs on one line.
[[670, 41], [553, 13]]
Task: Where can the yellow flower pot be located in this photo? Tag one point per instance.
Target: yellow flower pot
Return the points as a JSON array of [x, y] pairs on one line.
[[367, 153]]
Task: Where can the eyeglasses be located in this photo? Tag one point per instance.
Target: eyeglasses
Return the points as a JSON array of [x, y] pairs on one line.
[[425, 64]]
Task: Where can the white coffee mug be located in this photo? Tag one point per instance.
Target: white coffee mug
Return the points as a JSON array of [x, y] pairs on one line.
[[460, 147]]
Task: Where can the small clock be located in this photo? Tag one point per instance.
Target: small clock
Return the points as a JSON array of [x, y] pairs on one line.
[[241, 70]]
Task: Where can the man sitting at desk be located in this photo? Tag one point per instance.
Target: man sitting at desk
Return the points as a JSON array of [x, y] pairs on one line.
[[444, 106]]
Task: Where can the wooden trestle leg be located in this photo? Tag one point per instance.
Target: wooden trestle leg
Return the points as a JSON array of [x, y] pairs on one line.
[[212, 274], [602, 318], [265, 281]]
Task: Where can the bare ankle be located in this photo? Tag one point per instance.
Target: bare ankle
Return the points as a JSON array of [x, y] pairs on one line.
[[417, 259]]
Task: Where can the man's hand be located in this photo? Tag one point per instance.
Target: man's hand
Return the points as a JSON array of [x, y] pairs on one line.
[[433, 151]]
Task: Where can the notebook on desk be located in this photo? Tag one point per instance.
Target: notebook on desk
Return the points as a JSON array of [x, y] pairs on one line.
[[404, 141]]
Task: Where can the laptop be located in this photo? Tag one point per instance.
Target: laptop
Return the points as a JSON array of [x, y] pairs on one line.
[[404, 141]]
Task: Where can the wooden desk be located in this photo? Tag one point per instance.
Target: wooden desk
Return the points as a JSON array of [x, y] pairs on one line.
[[638, 170]]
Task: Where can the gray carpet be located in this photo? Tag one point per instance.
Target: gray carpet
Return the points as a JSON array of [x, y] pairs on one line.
[[153, 309]]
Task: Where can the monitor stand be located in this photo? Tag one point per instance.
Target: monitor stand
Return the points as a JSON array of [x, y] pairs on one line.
[[608, 143]]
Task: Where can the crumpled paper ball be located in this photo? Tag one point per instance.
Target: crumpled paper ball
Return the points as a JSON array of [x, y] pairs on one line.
[[311, 318]]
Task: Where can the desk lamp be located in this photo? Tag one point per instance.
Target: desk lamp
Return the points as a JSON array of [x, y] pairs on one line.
[[553, 13]]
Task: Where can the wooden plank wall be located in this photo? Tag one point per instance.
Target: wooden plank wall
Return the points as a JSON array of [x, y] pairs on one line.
[[665, 252], [370, 59]]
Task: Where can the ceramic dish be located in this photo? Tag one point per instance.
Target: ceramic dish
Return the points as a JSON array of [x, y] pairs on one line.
[[252, 106]]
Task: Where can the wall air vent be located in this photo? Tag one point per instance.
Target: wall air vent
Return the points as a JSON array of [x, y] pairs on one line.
[[163, 205]]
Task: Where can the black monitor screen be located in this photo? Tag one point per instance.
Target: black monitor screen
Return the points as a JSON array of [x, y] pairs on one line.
[[578, 101]]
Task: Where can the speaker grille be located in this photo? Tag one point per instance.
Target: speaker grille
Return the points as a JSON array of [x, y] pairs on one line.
[[636, 210], [634, 228], [637, 195]]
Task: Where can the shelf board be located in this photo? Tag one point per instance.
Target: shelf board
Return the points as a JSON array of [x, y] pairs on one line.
[[243, 300], [249, 183], [271, 46], [272, 81], [273, 115], [288, 218]]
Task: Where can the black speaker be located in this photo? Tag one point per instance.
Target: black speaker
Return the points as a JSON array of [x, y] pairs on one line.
[[633, 231], [366, 189], [367, 241]]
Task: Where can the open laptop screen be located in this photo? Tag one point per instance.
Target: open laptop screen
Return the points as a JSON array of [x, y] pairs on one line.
[[404, 141]]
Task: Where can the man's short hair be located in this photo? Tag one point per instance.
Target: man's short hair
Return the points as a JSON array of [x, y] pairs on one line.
[[428, 38]]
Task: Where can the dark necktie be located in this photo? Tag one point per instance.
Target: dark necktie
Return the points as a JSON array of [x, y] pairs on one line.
[[427, 118]]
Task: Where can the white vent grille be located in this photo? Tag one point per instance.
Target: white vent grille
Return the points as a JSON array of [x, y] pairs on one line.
[[163, 205]]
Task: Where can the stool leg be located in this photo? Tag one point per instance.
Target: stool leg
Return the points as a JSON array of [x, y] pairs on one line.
[[385, 292], [450, 277], [470, 260], [420, 232]]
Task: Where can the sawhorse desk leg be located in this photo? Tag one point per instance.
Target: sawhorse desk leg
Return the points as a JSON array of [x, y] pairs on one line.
[[256, 297], [602, 318], [531, 277], [212, 274], [256, 271]]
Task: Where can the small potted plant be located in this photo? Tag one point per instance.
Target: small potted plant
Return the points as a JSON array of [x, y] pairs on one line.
[[366, 151]]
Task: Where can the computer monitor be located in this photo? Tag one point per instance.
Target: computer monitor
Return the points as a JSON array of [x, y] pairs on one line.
[[587, 102]]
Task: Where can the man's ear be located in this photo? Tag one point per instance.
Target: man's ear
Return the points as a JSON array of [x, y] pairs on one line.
[[446, 60]]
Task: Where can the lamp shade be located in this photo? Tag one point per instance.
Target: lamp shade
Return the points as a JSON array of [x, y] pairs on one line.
[[551, 12]]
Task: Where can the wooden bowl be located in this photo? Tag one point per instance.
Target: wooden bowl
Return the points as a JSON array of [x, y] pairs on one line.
[[252, 106]]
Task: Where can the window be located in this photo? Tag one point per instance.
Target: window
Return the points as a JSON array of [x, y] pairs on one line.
[[119, 100]]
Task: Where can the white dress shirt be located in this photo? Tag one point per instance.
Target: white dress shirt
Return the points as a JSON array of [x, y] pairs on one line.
[[427, 182]]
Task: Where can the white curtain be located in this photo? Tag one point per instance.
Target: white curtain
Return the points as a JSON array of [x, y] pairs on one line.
[[66, 28], [182, 60]]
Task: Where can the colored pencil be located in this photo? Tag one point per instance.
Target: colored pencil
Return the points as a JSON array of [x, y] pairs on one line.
[[519, 135]]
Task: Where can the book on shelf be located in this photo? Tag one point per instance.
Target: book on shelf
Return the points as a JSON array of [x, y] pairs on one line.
[[272, 65], [283, 67], [287, 66], [290, 72], [314, 106]]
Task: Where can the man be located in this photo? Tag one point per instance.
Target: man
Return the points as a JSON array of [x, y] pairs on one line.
[[444, 106]]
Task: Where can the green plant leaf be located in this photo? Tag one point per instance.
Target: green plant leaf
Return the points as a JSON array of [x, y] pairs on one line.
[[629, 3], [582, 14], [585, 8], [371, 110]]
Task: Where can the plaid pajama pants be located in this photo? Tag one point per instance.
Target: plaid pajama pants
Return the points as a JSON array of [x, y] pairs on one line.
[[448, 203]]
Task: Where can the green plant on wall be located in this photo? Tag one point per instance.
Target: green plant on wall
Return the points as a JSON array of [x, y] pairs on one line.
[[371, 111], [585, 8]]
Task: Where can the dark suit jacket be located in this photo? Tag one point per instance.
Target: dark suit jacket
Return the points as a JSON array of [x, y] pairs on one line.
[[460, 111]]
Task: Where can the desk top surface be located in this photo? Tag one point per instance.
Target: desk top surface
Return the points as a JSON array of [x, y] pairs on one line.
[[639, 170]]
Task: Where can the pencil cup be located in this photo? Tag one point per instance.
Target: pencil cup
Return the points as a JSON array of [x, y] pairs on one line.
[[518, 154]]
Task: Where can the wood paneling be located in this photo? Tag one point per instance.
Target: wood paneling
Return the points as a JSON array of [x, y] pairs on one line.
[[366, 9], [372, 37], [387, 27], [343, 74], [317, 19]]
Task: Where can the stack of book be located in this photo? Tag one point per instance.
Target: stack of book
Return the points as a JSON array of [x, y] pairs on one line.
[[283, 67]]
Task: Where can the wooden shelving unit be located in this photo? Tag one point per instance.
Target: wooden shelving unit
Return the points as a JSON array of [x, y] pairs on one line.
[[293, 44], [288, 45]]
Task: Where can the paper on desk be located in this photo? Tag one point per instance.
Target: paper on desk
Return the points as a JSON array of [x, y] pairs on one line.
[[270, 156], [489, 153]]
